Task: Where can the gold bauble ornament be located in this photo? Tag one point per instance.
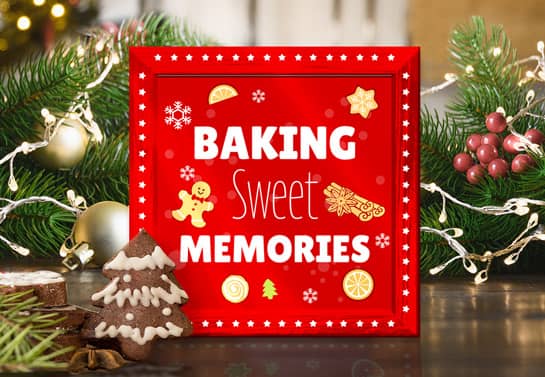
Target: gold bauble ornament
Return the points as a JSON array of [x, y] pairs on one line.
[[66, 148], [105, 227]]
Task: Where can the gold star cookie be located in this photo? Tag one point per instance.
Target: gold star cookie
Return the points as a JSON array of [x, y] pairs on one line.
[[362, 102]]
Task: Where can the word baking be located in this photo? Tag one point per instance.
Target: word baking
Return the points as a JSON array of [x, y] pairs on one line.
[[277, 249], [276, 192], [264, 139]]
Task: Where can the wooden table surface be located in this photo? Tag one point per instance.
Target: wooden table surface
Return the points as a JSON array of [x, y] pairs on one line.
[[496, 329]]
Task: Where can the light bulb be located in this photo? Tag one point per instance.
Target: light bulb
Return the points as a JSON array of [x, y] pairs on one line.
[[57, 10], [38, 3], [23, 23]]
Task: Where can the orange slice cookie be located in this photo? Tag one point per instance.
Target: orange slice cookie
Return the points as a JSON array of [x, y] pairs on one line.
[[221, 93], [358, 284]]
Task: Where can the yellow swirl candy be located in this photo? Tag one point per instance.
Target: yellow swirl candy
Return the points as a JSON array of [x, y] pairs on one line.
[[235, 289]]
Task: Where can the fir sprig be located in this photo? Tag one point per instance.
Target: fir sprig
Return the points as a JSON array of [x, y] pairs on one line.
[[489, 74], [42, 81], [27, 337]]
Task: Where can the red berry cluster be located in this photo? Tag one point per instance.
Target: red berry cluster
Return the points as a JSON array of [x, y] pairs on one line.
[[486, 149]]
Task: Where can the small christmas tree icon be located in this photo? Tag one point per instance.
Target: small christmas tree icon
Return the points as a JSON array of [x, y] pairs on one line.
[[269, 290], [142, 301]]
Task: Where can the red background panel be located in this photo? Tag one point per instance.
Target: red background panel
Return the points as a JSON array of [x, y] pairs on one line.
[[306, 92]]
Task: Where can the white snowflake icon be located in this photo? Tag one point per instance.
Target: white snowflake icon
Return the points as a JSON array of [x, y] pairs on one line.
[[382, 240], [178, 115], [187, 173], [310, 296], [258, 96]]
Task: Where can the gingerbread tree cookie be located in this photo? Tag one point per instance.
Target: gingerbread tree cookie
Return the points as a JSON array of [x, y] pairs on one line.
[[142, 301]]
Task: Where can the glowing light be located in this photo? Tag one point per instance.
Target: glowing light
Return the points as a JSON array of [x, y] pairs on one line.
[[57, 10], [99, 46], [38, 3], [23, 23], [496, 52]]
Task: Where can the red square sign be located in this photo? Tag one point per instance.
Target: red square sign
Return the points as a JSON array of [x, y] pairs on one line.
[[283, 181]]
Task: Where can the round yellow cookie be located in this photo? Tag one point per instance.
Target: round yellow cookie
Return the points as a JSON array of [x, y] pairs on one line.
[[358, 284], [235, 289]]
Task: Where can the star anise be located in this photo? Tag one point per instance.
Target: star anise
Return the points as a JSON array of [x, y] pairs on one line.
[[92, 358], [341, 201]]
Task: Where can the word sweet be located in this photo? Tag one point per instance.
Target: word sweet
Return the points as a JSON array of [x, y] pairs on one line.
[[277, 192], [264, 139], [277, 249]]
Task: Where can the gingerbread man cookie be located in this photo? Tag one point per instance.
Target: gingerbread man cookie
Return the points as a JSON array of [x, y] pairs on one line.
[[194, 204]]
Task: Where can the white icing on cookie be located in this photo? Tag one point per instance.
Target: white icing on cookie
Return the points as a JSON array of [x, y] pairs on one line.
[[30, 278], [166, 312], [157, 259], [127, 278], [145, 295], [134, 333], [129, 316]]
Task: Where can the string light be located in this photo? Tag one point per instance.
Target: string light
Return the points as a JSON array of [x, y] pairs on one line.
[[450, 78], [80, 51], [77, 205], [74, 254], [38, 3], [517, 206], [523, 143], [23, 23], [537, 74], [514, 206], [99, 46], [57, 10]]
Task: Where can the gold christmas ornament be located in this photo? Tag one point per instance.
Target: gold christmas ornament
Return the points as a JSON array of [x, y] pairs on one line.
[[105, 227], [66, 148]]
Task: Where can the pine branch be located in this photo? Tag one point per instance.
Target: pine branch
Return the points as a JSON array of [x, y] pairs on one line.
[[158, 30], [41, 81], [439, 142], [103, 173], [52, 81], [27, 338], [488, 79]]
